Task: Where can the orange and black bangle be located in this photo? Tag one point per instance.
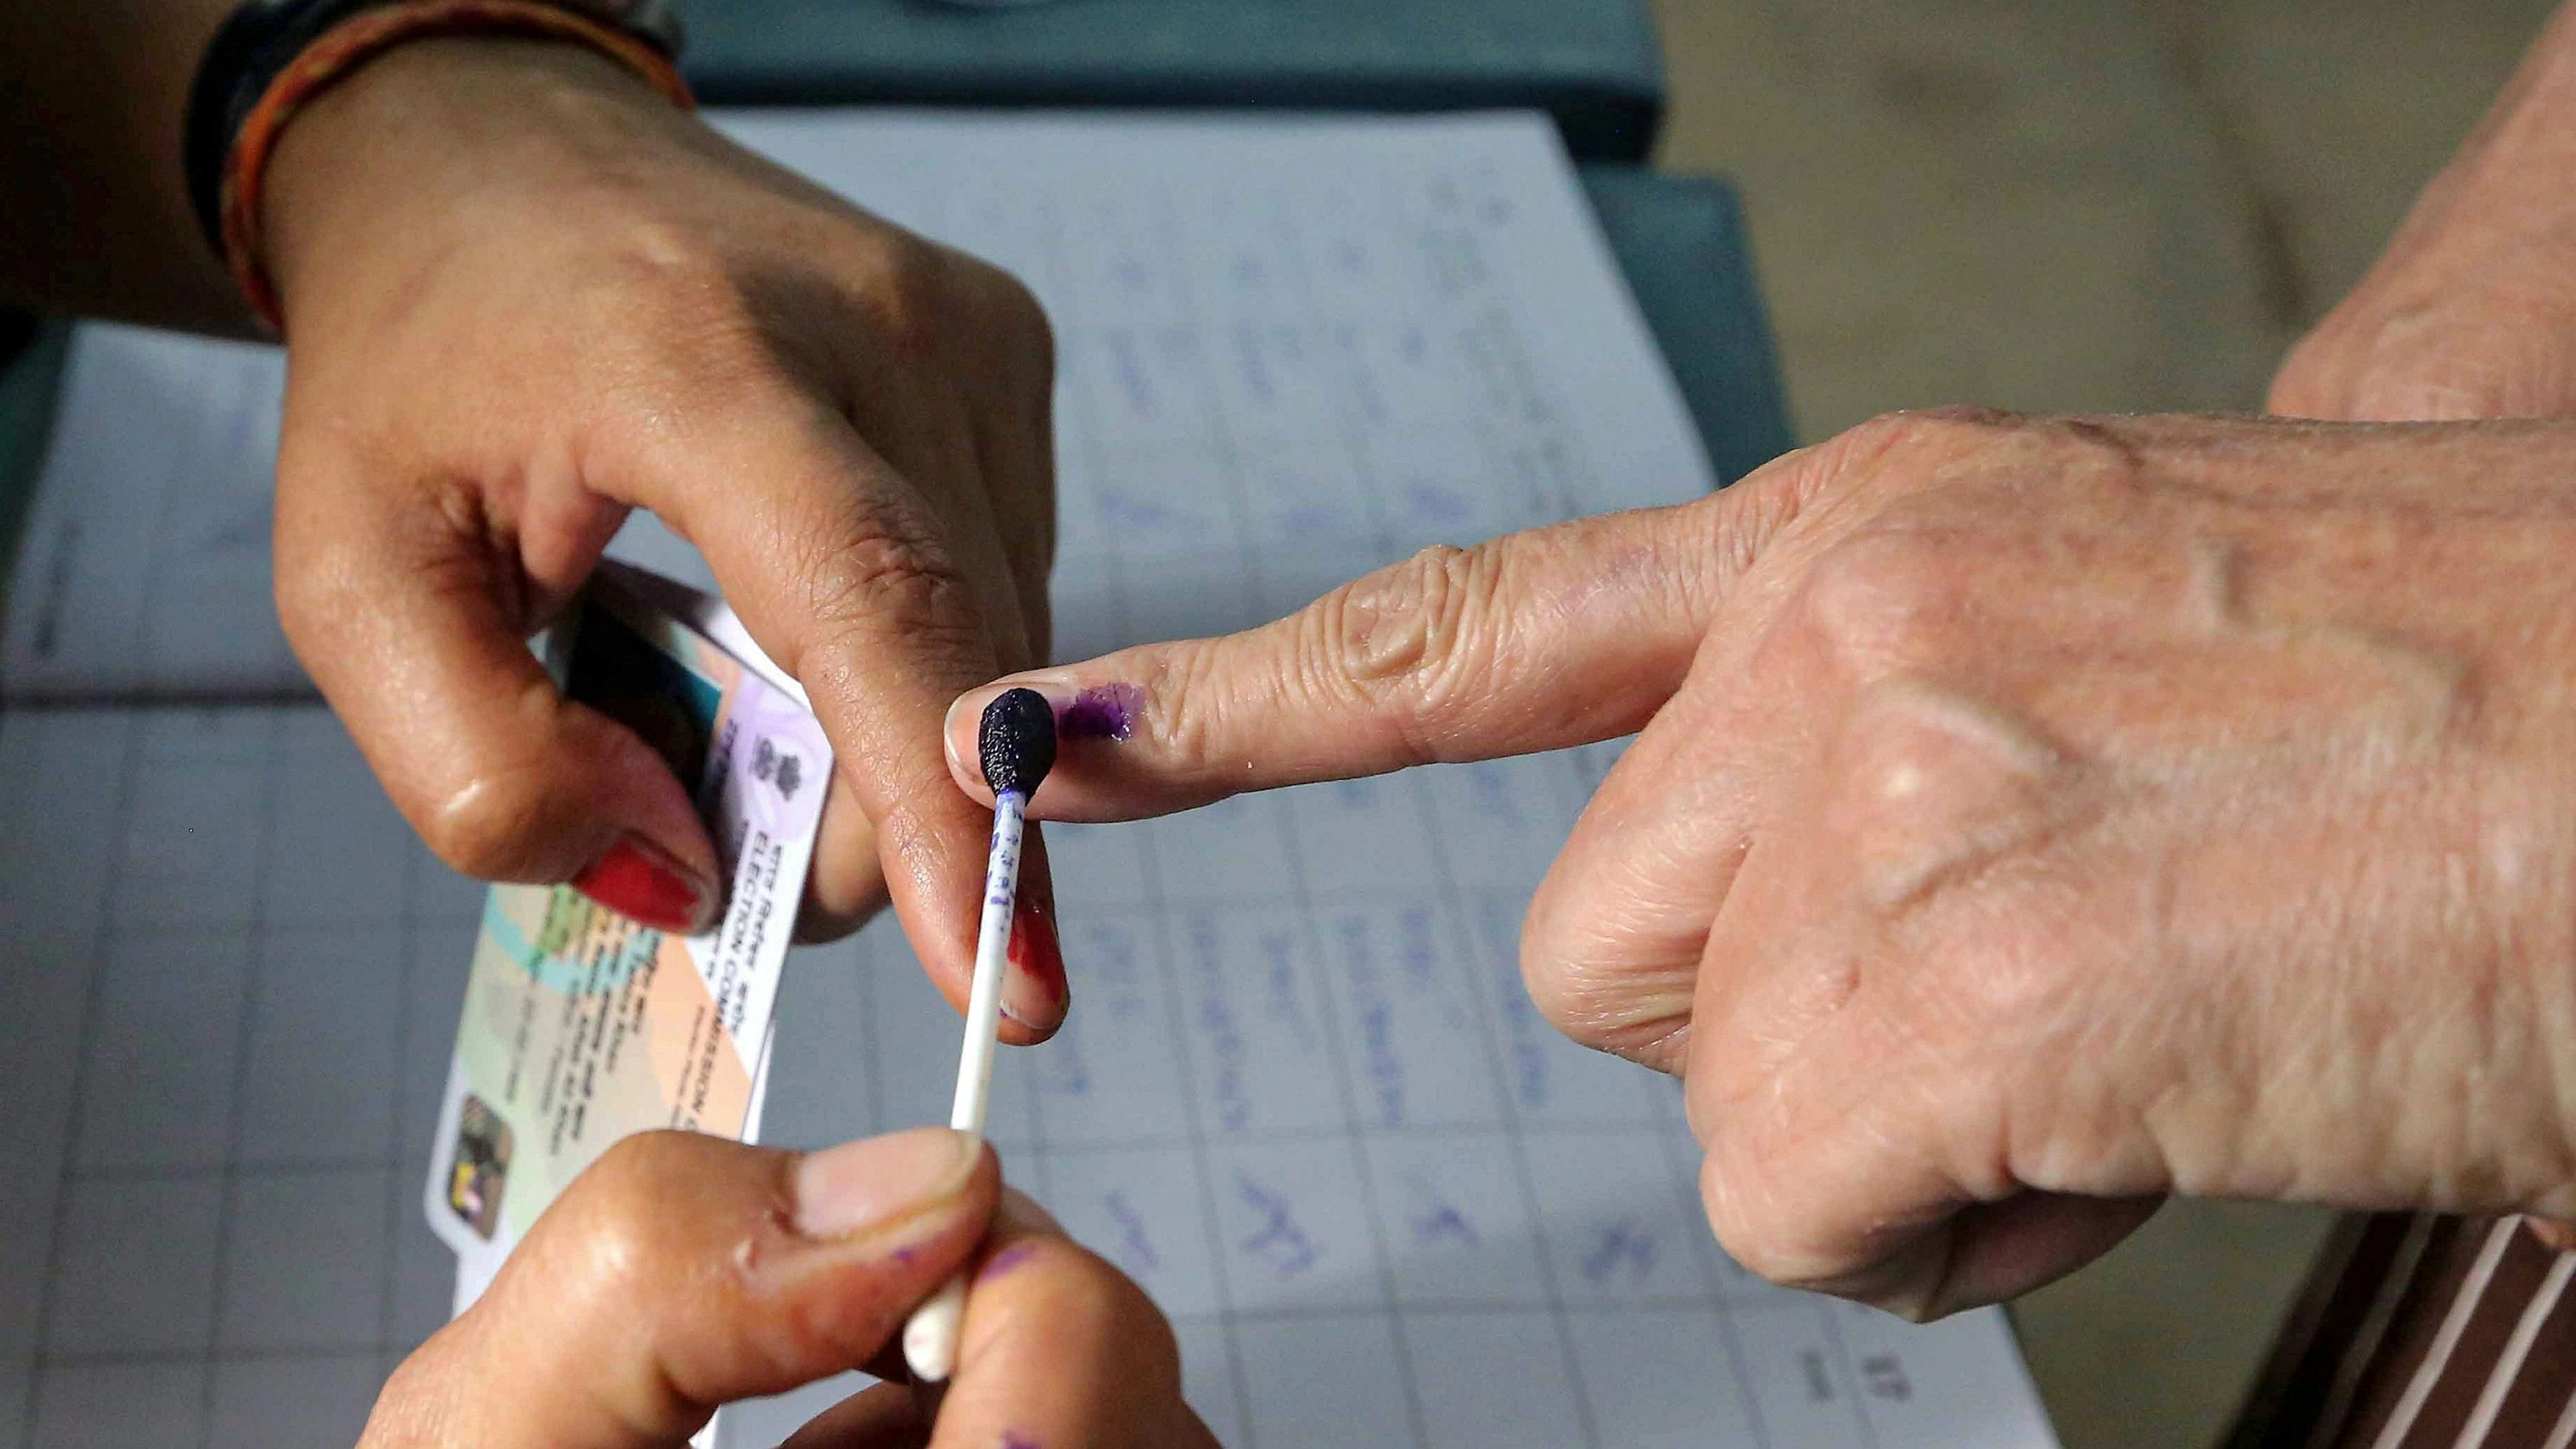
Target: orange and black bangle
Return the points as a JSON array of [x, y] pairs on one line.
[[351, 43]]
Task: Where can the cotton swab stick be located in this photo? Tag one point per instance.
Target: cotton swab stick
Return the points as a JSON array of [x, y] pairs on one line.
[[1016, 739]]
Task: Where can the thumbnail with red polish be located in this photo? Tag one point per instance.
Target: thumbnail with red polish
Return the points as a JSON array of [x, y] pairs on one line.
[[640, 881]]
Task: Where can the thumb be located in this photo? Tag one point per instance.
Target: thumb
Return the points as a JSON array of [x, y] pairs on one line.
[[414, 624], [682, 1272], [1538, 640]]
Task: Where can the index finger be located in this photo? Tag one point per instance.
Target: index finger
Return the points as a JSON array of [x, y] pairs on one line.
[[1533, 641], [842, 572]]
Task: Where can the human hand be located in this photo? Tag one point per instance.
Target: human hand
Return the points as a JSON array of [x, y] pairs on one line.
[[2471, 311], [523, 294], [683, 1272], [2030, 817]]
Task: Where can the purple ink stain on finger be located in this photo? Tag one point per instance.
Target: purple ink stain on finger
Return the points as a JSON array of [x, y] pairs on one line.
[[1102, 712], [1013, 1439], [1005, 1260]]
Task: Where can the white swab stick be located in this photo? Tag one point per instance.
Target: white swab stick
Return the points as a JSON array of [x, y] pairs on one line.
[[930, 1336], [1016, 739]]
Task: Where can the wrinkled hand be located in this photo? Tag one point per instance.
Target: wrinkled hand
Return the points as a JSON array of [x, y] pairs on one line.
[[2030, 817], [683, 1272], [2471, 311], [523, 294]]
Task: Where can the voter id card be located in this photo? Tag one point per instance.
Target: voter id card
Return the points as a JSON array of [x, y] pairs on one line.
[[581, 1026]]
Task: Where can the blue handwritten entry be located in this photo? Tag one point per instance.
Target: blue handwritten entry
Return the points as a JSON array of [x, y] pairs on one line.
[[1251, 997], [1293, 1220], [1406, 1005], [1278, 1240], [1452, 1204], [1611, 1243], [1913, 1382]]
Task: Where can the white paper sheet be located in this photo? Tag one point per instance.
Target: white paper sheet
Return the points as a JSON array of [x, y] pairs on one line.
[[1302, 1096]]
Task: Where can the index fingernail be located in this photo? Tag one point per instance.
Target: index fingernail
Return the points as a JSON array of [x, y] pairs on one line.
[[866, 1184]]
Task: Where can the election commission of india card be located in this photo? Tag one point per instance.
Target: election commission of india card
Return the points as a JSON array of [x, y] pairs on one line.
[[581, 1026]]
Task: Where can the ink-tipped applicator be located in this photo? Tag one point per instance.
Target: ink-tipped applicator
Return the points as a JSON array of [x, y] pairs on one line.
[[1016, 739]]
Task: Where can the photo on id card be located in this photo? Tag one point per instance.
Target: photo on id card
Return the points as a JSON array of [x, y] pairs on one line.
[[581, 1026]]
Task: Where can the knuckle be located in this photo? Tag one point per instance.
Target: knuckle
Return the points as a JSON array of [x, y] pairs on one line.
[[1771, 1228], [2419, 388], [671, 259], [1583, 979], [1998, 967], [1764, 1243], [696, 299], [889, 578], [2407, 363], [1552, 971], [904, 290], [708, 342], [1865, 471], [1884, 596], [2305, 385], [487, 822], [1941, 429], [1009, 311], [1409, 638]]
